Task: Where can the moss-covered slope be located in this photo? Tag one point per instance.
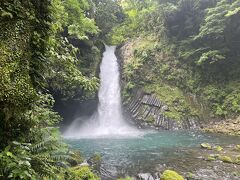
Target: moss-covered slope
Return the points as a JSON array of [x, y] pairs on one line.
[[153, 69]]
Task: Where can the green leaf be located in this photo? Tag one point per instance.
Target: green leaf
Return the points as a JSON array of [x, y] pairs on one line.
[[6, 14], [9, 154]]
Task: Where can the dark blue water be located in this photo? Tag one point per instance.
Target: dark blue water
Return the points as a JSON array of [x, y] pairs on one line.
[[147, 153]]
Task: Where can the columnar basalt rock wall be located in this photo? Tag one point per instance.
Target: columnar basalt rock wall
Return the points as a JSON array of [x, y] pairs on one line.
[[146, 110]]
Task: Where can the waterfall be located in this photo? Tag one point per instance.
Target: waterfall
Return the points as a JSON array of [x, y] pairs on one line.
[[108, 120], [109, 109]]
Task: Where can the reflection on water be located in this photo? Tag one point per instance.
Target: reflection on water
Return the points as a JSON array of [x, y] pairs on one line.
[[147, 153]]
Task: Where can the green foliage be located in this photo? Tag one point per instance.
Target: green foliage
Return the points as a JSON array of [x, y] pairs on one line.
[[195, 48], [214, 21], [108, 14], [210, 57], [64, 70], [83, 172], [26, 160], [135, 13], [224, 100], [16, 166], [63, 55], [174, 98], [35, 59], [75, 158], [42, 154], [78, 23]]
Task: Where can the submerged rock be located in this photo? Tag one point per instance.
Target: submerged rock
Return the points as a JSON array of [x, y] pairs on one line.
[[171, 175], [225, 159], [206, 146], [218, 148], [210, 158], [238, 147]]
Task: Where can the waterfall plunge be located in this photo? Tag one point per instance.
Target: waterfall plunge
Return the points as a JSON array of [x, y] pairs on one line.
[[108, 120]]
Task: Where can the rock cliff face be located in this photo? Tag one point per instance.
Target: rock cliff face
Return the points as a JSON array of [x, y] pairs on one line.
[[146, 108], [148, 111]]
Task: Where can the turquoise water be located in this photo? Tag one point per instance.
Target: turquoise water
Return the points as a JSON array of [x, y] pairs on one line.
[[147, 153]]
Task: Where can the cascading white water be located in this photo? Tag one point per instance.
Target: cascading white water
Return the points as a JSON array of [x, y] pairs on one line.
[[109, 109], [108, 119]]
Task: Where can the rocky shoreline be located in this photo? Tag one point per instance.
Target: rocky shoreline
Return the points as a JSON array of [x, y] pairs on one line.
[[209, 163], [230, 127]]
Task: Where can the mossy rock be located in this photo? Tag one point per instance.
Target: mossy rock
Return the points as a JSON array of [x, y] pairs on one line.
[[126, 178], [171, 175], [150, 119], [218, 148], [206, 146], [210, 158], [238, 147], [237, 161], [225, 159]]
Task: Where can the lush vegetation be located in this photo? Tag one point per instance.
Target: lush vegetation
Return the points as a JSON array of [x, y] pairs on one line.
[[53, 48], [190, 45], [38, 58]]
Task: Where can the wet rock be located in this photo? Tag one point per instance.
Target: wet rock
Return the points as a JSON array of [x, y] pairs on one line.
[[165, 108], [145, 176], [218, 148], [171, 175], [160, 167], [238, 147], [85, 163], [156, 176], [206, 146], [206, 174], [225, 159], [237, 161], [190, 176], [210, 158]]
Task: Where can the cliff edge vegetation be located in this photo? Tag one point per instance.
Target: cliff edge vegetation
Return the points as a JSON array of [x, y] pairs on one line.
[[185, 52]]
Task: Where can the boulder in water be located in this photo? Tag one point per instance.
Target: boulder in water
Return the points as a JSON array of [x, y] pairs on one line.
[[206, 146], [218, 148], [238, 147], [171, 175], [225, 159]]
